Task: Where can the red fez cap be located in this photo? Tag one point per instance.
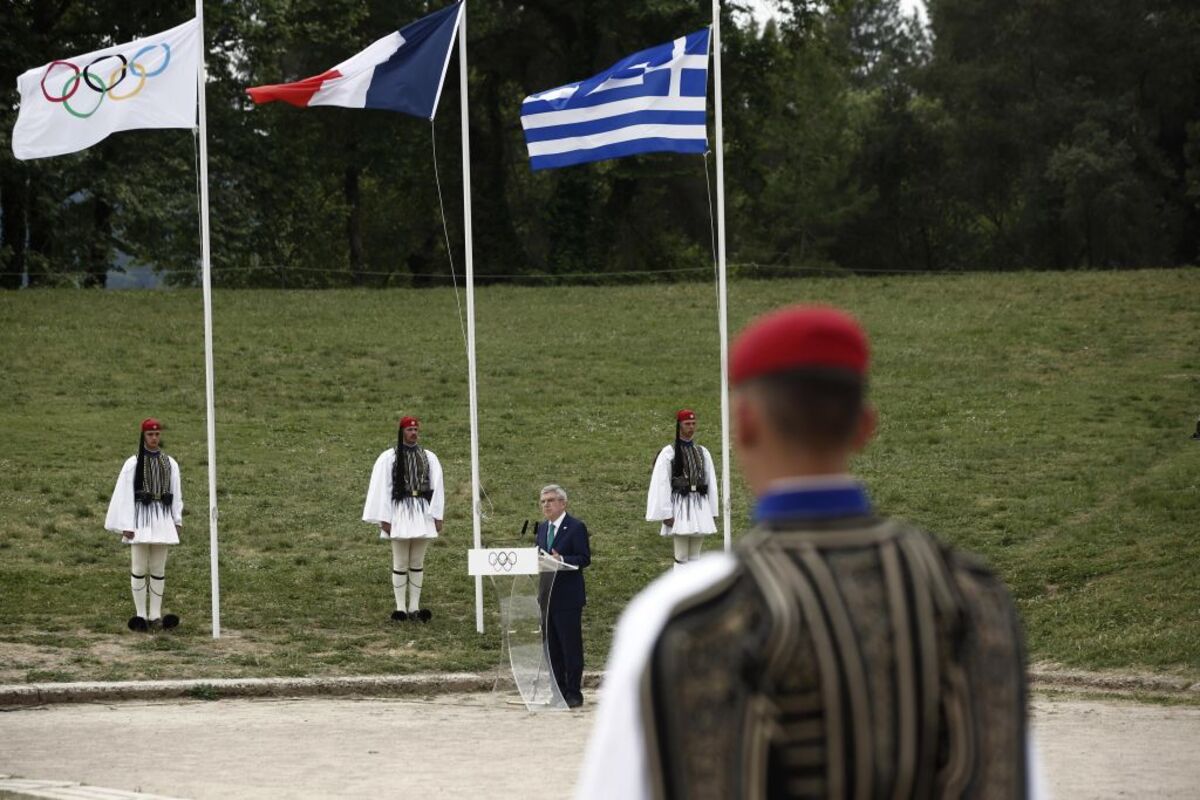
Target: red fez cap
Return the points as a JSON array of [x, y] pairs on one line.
[[796, 338], [409, 422], [684, 415], [151, 424]]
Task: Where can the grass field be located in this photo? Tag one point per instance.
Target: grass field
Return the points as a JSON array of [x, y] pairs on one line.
[[1041, 419]]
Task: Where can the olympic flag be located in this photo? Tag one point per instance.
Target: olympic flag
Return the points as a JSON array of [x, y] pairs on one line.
[[71, 104], [651, 101]]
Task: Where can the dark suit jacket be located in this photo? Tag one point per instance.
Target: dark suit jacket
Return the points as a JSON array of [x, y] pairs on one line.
[[571, 542]]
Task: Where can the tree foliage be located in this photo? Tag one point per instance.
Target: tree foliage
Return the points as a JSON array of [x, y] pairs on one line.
[[1051, 134]]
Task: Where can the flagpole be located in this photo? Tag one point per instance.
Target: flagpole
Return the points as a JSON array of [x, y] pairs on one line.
[[206, 272], [472, 388], [722, 295]]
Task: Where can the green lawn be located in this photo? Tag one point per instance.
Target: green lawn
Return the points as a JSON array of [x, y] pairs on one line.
[[1041, 419]]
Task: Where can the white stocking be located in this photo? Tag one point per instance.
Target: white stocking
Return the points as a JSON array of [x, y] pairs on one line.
[[139, 562], [694, 543], [400, 572], [682, 550], [158, 579], [416, 561]]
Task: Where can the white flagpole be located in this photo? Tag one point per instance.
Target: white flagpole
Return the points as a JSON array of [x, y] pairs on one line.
[[722, 295], [471, 385], [210, 413]]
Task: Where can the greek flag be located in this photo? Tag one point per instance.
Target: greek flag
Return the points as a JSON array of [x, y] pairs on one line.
[[652, 101]]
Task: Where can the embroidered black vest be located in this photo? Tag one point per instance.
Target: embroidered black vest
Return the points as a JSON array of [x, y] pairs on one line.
[[851, 658], [151, 486], [687, 470], [410, 474]]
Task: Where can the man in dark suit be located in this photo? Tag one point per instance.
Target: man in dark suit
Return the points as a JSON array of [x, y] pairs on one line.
[[564, 538]]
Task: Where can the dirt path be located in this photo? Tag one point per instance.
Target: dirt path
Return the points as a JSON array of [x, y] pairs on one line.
[[477, 746], [1118, 749]]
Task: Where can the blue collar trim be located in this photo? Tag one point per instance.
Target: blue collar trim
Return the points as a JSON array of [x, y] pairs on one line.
[[814, 503]]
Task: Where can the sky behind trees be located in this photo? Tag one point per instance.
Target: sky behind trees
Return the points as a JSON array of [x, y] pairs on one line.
[[765, 9]]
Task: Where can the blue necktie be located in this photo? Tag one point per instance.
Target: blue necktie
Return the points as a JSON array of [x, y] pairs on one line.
[[549, 535]]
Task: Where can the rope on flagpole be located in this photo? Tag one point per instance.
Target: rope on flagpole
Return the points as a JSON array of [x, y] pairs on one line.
[[446, 231], [199, 200], [484, 497], [712, 230]]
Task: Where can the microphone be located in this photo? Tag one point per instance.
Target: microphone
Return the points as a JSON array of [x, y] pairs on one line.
[[524, 528]]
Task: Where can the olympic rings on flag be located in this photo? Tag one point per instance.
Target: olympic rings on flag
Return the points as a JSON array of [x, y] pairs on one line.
[[166, 59], [136, 89], [46, 74], [67, 105], [87, 77]]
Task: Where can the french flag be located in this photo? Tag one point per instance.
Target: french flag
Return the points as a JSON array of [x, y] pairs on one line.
[[402, 72]]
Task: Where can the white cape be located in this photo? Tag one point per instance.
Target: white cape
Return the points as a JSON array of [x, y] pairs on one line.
[[411, 519], [693, 514], [158, 527]]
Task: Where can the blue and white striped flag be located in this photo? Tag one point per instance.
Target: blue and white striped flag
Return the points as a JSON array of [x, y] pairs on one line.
[[648, 102]]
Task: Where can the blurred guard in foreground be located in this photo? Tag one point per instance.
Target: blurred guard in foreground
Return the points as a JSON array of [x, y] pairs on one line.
[[406, 500], [683, 491], [147, 510], [835, 654]]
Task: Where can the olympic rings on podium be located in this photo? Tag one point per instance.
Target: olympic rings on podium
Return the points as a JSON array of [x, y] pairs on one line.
[[505, 560], [89, 78]]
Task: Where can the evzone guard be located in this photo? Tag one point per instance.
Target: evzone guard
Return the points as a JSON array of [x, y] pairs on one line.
[[683, 491], [835, 652], [147, 510], [406, 500]]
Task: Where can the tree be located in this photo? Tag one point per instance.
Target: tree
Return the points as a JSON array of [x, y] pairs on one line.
[[1070, 126]]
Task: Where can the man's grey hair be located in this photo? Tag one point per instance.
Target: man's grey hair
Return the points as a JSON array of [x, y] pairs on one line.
[[554, 489]]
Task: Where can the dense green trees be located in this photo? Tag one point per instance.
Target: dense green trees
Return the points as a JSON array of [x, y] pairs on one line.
[[1048, 134], [1068, 127]]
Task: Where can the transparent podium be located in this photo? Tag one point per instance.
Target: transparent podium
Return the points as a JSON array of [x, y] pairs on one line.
[[523, 578]]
